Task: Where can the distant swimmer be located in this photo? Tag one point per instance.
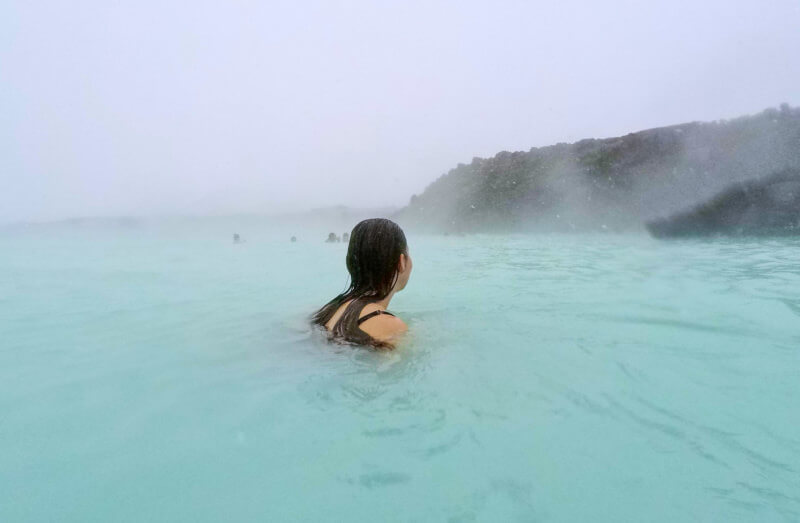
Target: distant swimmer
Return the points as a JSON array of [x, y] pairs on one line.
[[294, 239], [379, 266], [237, 238], [332, 238], [345, 237]]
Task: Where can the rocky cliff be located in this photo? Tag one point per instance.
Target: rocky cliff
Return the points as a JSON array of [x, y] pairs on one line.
[[767, 206], [614, 183]]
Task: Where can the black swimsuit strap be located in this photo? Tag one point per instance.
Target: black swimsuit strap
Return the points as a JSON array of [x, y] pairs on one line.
[[372, 314]]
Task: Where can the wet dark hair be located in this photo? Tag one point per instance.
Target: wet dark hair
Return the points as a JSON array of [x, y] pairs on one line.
[[373, 255]]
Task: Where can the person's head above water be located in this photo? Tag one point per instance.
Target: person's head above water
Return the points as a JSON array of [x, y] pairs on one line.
[[377, 256], [379, 266]]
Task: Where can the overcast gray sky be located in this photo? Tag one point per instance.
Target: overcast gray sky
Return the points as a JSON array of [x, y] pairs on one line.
[[110, 108]]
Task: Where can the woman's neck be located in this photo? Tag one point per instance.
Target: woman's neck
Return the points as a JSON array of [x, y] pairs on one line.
[[384, 303]]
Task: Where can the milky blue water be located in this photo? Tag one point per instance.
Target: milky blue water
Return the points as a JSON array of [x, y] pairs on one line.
[[164, 374]]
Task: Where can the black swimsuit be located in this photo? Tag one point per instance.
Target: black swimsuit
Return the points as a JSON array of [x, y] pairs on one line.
[[372, 315]]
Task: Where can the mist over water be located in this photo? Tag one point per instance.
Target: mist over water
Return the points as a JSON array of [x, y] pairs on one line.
[[201, 108], [164, 373]]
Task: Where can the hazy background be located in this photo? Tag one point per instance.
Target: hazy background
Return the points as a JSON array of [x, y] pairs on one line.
[[114, 108]]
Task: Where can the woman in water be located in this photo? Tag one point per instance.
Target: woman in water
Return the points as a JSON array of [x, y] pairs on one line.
[[379, 266]]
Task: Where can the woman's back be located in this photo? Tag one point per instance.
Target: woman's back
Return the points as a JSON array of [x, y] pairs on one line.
[[379, 324]]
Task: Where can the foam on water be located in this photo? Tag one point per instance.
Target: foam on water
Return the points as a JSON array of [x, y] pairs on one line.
[[166, 374]]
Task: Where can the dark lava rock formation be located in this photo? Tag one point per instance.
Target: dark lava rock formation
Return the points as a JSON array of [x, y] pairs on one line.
[[763, 207], [608, 184]]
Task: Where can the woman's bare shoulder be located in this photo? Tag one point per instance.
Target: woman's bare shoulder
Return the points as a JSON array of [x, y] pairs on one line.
[[384, 327]]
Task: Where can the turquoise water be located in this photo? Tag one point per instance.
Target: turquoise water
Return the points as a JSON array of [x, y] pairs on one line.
[[163, 374]]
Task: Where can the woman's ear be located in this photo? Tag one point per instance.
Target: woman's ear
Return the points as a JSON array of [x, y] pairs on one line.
[[403, 263]]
